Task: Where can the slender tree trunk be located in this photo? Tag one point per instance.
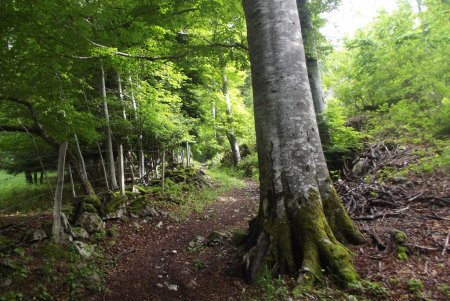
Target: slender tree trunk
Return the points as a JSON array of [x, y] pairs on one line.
[[119, 81], [80, 171], [81, 166], [102, 162], [74, 194], [188, 155], [291, 233], [182, 157], [121, 171], [110, 153], [312, 63], [141, 162], [232, 139], [163, 170], [213, 111], [56, 230]]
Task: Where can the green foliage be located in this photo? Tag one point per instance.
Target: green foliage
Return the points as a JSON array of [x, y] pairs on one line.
[[198, 264], [391, 80], [79, 274], [249, 166], [444, 289], [375, 289], [12, 296], [343, 137], [18, 195], [196, 199], [273, 289], [415, 286]]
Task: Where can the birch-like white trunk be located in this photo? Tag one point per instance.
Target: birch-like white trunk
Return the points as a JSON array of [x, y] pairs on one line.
[[72, 184], [119, 82], [56, 229], [80, 155], [121, 171], [232, 139], [141, 158], [109, 150], [163, 170], [188, 155]]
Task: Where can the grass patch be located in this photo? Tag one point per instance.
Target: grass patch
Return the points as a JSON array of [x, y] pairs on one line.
[[16, 195], [195, 199]]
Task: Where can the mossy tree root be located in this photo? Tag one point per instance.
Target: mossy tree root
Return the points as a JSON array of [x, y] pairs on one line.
[[302, 244], [338, 219]]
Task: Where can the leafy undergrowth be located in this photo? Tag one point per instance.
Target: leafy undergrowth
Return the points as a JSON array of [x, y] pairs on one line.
[[47, 271]]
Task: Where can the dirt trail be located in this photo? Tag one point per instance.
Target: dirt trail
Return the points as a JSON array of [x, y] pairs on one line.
[[154, 257]]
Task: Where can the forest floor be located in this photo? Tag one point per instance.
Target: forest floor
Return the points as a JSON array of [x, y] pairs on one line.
[[163, 259], [167, 260]]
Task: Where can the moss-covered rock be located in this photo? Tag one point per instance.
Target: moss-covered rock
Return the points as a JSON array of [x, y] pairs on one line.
[[399, 239], [86, 203], [138, 204], [116, 203]]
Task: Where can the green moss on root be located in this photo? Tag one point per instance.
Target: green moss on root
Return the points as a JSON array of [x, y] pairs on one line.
[[338, 219], [302, 242]]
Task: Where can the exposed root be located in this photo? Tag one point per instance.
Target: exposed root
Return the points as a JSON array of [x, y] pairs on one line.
[[338, 219], [302, 244]]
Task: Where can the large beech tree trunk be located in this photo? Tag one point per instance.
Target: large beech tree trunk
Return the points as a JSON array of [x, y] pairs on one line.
[[299, 208], [312, 63]]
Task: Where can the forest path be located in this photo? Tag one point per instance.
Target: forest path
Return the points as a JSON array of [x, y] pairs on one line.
[[154, 261]]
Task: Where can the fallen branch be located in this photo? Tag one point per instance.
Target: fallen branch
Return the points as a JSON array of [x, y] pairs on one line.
[[378, 242], [422, 247], [375, 216], [379, 257], [132, 250], [435, 216]]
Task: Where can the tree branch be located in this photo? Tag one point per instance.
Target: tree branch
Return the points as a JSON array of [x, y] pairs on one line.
[[124, 54], [234, 45], [37, 129], [18, 128]]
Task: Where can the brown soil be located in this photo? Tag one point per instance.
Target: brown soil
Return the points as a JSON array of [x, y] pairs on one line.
[[155, 255], [426, 222]]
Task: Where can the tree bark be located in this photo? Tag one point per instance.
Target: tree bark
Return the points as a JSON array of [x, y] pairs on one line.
[[121, 171], [312, 63], [110, 153], [80, 168], [291, 233], [141, 158], [74, 194], [234, 145], [102, 162], [56, 229]]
